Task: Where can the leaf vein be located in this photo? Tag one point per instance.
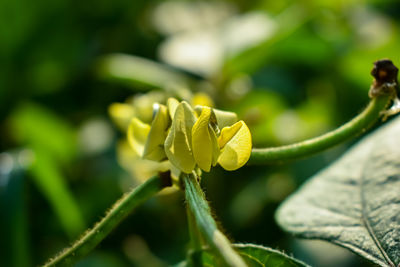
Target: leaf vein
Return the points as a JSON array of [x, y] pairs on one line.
[[367, 224]]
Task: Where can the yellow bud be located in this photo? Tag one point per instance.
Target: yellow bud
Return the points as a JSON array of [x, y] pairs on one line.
[[121, 114], [137, 135], [178, 143], [204, 141], [202, 99], [235, 144], [154, 148]]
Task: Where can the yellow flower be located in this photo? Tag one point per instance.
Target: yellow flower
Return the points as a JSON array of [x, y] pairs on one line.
[[187, 139], [194, 138], [121, 114], [234, 143]]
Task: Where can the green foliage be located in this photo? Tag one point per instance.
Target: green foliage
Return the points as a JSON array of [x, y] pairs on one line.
[[255, 256], [15, 221], [259, 256], [39, 127], [49, 179], [354, 202], [52, 143], [139, 72], [250, 60]]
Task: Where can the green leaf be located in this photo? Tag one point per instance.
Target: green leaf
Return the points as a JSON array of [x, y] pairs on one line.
[[354, 203], [48, 177], [32, 124], [256, 256], [262, 256], [15, 223], [53, 143], [139, 72]]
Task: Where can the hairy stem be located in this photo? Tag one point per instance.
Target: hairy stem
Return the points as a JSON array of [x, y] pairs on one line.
[[198, 205], [357, 125], [194, 254], [114, 216]]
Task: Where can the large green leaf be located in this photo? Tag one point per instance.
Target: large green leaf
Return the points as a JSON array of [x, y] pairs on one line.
[[355, 202], [256, 256]]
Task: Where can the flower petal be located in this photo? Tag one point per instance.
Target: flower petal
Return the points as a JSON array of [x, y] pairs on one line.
[[202, 99], [178, 143], [144, 104], [137, 135], [121, 114], [235, 144], [204, 141], [172, 104], [224, 118], [141, 169], [154, 148]]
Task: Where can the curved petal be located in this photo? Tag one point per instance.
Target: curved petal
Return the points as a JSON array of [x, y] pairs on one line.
[[235, 144], [179, 140], [172, 104], [204, 141], [154, 148], [137, 135], [144, 104], [224, 118], [121, 114]]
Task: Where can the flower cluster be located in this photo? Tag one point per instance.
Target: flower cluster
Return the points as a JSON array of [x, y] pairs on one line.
[[190, 138]]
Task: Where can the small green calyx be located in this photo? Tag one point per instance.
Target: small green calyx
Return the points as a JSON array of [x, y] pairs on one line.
[[192, 138]]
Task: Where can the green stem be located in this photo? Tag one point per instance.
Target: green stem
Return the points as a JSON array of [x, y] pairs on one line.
[[357, 125], [114, 216], [194, 254], [198, 205]]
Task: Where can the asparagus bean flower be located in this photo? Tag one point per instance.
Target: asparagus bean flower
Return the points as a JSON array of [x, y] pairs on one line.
[[189, 138]]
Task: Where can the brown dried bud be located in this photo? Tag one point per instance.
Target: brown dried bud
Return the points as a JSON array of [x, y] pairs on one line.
[[385, 82]]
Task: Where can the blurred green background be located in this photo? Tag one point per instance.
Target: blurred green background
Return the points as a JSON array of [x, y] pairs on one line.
[[290, 69]]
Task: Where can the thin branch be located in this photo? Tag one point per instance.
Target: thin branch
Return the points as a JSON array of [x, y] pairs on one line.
[[356, 126], [114, 216]]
